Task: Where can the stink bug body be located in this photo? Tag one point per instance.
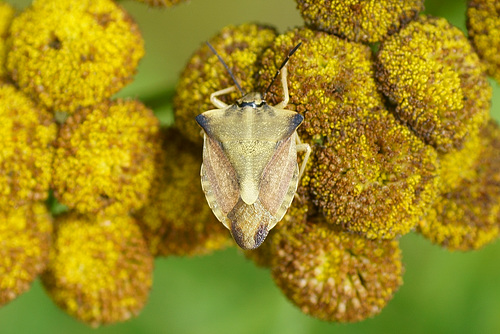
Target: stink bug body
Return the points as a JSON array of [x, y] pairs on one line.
[[250, 171]]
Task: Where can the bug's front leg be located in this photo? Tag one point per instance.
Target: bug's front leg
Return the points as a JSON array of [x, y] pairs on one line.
[[284, 84], [218, 103], [302, 147]]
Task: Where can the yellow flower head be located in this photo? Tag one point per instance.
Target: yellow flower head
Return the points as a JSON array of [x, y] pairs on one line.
[[368, 173], [105, 157], [25, 234], [329, 79], [99, 270], [432, 75], [483, 23], [359, 20], [468, 216], [459, 164], [68, 54], [6, 16], [239, 46], [177, 220], [27, 133], [162, 3], [334, 275]]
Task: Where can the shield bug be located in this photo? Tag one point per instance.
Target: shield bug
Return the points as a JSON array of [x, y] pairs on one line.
[[250, 172]]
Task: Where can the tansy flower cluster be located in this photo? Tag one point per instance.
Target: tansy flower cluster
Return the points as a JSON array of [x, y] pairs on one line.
[[401, 141], [97, 157], [400, 129]]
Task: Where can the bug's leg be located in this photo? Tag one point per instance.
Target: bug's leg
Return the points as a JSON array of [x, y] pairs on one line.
[[302, 147], [218, 103], [283, 103]]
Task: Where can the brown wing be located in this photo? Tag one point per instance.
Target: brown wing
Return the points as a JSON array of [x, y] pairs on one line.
[[280, 179], [218, 180]]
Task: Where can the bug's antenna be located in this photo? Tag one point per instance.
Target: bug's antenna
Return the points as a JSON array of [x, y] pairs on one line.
[[281, 67], [227, 68]]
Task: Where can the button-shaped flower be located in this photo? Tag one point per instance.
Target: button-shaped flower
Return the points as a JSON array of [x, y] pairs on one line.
[[359, 20], [69, 54], [99, 270], [332, 274], [25, 234], [435, 79], [467, 215], [27, 133], [105, 157], [483, 23]]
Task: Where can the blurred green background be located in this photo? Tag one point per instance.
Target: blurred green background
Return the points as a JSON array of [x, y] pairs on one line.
[[443, 292]]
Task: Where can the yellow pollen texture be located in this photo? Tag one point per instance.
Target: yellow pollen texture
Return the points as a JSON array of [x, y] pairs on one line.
[[99, 270], [69, 54]]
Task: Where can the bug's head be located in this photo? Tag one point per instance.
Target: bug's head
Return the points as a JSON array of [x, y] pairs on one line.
[[253, 100]]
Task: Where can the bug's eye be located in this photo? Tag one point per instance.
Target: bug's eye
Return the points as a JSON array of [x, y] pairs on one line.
[[252, 104]]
